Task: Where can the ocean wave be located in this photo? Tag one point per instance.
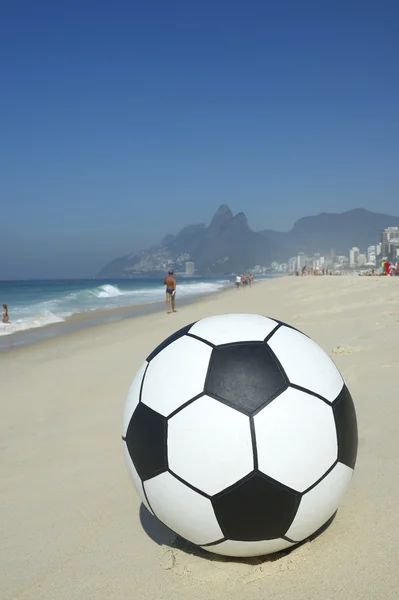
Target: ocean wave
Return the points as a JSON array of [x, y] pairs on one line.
[[107, 291], [33, 322], [66, 303], [113, 291], [202, 287], [103, 291]]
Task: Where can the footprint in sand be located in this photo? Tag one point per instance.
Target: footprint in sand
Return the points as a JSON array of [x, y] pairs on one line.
[[208, 567], [343, 350]]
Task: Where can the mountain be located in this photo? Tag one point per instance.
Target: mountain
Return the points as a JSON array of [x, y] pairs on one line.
[[229, 245], [339, 231]]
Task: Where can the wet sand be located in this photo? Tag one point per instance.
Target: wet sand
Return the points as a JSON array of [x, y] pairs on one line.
[[85, 320]]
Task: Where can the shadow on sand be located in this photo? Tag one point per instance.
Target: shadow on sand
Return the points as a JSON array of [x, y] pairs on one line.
[[163, 536]]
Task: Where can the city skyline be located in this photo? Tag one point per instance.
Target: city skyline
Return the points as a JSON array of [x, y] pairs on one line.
[[372, 258], [387, 249]]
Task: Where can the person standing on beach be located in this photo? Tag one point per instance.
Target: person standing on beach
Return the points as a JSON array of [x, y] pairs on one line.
[[238, 282], [250, 279], [5, 313], [170, 282]]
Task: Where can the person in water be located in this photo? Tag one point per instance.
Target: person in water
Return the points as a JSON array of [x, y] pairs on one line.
[[5, 313], [170, 282]]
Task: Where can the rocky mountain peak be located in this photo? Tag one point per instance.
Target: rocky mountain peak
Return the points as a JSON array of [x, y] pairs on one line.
[[220, 219]]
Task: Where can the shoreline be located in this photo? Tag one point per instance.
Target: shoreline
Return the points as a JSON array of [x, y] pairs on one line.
[[92, 319]]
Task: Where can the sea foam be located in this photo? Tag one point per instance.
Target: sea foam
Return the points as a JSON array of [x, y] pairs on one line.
[[54, 302]]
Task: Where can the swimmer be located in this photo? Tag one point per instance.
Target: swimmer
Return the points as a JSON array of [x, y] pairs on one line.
[[5, 313]]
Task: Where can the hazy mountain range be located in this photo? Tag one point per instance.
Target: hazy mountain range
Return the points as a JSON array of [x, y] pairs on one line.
[[229, 245]]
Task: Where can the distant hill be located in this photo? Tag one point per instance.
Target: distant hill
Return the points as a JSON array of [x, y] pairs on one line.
[[229, 245], [340, 231]]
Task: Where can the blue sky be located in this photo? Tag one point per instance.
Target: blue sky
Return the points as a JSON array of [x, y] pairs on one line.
[[123, 121]]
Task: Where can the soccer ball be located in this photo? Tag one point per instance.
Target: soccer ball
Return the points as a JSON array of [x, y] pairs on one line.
[[240, 435]]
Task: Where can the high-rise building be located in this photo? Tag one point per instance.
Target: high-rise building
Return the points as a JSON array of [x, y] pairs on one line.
[[353, 254], [292, 264], [371, 254], [316, 263], [388, 235], [394, 249], [301, 261], [190, 268], [361, 260], [384, 243]]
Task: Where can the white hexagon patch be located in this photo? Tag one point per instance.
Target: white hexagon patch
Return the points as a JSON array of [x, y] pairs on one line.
[[176, 375], [320, 503], [226, 329], [133, 398], [182, 509], [296, 439], [209, 445], [306, 364]]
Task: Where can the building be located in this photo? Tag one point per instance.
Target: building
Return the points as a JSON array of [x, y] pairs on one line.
[[394, 249], [318, 262], [296, 263], [292, 264], [371, 254], [384, 243], [353, 254], [389, 236], [361, 260], [301, 261], [275, 267], [190, 267]]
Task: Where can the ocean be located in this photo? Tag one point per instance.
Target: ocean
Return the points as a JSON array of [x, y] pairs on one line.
[[33, 305]]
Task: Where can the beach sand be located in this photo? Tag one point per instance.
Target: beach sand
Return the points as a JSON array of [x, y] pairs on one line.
[[71, 526]]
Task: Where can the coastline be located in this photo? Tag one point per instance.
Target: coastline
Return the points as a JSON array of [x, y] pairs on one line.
[[73, 526], [95, 318]]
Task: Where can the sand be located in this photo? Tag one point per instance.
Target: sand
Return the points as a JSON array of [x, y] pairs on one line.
[[71, 526]]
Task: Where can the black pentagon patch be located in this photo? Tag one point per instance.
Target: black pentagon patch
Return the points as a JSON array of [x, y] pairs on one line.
[[346, 425], [256, 508], [172, 338], [146, 442], [246, 376]]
